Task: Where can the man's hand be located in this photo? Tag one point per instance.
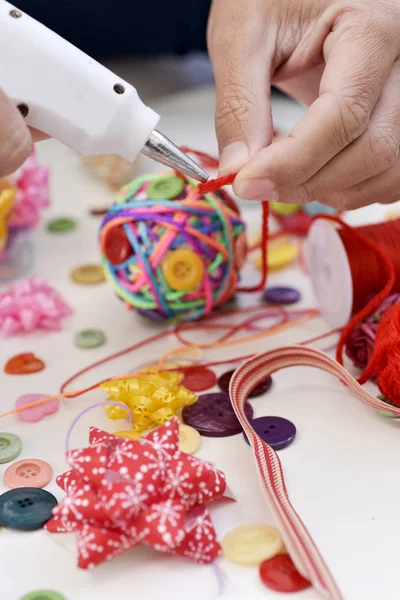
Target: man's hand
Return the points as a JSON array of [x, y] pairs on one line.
[[341, 58]]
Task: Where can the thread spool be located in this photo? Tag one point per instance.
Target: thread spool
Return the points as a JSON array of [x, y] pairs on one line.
[[169, 251], [346, 273]]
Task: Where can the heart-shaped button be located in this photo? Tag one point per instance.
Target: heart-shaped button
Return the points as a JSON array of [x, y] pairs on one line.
[[24, 364], [36, 413]]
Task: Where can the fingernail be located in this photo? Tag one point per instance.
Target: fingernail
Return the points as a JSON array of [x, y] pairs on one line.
[[255, 189], [233, 157]]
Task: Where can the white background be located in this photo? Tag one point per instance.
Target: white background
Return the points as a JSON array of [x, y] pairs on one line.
[[341, 472]]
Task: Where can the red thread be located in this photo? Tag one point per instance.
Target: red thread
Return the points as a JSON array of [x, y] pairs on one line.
[[374, 256], [213, 185]]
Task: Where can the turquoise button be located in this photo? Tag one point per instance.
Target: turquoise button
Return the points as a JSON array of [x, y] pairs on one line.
[[316, 208], [26, 509], [10, 447], [43, 595]]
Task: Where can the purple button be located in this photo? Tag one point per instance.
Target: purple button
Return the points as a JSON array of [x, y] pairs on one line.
[[213, 416], [281, 295], [259, 390], [275, 431]]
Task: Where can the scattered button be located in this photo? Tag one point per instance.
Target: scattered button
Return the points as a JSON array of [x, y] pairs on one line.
[[61, 225], [279, 256], [189, 439], [316, 208], [88, 274], [249, 545], [24, 364], [298, 223], [281, 295], [36, 413], [275, 431], [199, 379], [153, 315], [26, 508], [90, 338], [43, 595], [280, 574], [213, 416], [165, 188], [386, 413], [117, 247], [283, 210], [99, 212], [259, 390], [183, 269], [10, 447], [29, 472], [128, 435]]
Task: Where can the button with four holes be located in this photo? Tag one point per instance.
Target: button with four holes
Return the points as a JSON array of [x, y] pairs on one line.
[[275, 431], [183, 269], [28, 472], [26, 508]]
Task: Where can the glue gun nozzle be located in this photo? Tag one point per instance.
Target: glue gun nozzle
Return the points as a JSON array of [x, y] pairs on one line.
[[159, 148]]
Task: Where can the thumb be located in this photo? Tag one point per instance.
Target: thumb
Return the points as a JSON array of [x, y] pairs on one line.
[[15, 139], [240, 59]]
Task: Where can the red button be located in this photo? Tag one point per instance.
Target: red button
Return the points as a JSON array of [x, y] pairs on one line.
[[280, 574], [199, 380], [117, 247], [24, 364]]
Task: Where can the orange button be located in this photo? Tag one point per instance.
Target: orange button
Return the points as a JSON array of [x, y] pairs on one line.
[[24, 364]]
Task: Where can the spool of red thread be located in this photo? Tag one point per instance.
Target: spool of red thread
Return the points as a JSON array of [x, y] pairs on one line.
[[346, 273]]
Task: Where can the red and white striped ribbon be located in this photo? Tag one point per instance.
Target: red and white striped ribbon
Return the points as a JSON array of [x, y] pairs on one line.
[[299, 543]]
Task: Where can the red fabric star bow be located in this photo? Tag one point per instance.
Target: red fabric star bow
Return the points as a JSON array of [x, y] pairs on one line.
[[122, 492]]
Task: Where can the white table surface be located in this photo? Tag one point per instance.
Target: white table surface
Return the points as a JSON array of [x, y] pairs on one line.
[[341, 471]]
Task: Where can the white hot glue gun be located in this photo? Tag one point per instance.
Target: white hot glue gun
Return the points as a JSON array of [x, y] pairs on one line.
[[72, 98]]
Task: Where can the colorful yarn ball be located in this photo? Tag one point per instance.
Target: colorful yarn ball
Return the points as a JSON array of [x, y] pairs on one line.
[[170, 252]]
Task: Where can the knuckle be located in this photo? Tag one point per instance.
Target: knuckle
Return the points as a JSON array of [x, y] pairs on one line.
[[354, 111], [234, 104], [297, 195], [385, 149]]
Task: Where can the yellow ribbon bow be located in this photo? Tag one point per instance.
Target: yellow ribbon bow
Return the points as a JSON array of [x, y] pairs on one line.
[[152, 397], [7, 199]]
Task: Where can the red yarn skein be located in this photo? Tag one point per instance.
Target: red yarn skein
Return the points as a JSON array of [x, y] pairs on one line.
[[385, 360]]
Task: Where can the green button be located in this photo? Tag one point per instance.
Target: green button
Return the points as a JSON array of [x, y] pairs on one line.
[[43, 595], [165, 188], [61, 225], [90, 338], [10, 447], [385, 413]]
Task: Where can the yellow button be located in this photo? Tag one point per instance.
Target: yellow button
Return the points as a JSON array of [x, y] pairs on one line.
[[279, 256], [182, 269], [128, 435], [88, 274], [284, 210], [250, 545], [189, 439]]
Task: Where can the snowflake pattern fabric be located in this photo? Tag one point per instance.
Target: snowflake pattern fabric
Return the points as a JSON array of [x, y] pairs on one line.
[[121, 493]]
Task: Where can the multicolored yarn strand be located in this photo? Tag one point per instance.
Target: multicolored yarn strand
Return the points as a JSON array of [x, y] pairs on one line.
[[207, 225]]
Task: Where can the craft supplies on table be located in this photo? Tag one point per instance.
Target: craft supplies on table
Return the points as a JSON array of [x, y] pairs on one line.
[[317, 418]]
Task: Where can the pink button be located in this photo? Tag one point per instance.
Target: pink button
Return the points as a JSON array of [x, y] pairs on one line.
[[37, 412], [29, 472]]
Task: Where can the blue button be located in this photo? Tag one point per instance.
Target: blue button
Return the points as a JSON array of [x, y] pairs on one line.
[[26, 509]]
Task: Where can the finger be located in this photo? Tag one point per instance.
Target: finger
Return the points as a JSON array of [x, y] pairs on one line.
[[15, 139], [241, 59], [357, 66], [375, 151], [38, 136], [383, 189]]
